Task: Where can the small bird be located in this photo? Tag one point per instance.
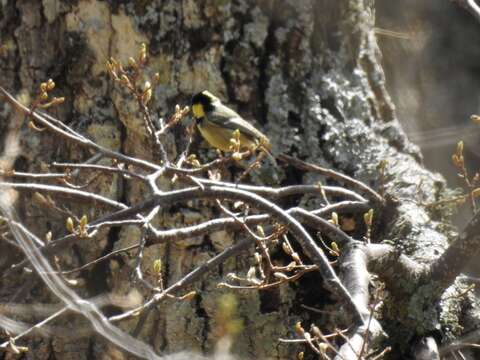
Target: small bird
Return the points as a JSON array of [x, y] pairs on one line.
[[217, 124]]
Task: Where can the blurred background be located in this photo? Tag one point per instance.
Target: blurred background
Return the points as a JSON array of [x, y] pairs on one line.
[[431, 53]]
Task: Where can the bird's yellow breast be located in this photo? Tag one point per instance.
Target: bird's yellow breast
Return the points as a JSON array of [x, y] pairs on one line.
[[219, 137]]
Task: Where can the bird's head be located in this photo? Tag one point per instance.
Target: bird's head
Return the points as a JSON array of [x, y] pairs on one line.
[[202, 102]]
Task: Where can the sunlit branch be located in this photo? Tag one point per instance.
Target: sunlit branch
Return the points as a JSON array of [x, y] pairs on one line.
[[74, 136], [334, 175]]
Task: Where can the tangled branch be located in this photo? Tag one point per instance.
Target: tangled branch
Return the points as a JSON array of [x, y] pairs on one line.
[[258, 210]]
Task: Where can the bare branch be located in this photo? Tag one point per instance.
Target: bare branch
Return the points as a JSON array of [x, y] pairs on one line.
[[277, 193], [334, 175], [188, 279], [353, 264], [471, 6], [449, 265], [100, 259], [72, 300], [306, 242], [59, 190], [74, 136], [108, 169]]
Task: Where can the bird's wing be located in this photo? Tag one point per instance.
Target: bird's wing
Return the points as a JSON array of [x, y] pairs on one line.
[[226, 117]]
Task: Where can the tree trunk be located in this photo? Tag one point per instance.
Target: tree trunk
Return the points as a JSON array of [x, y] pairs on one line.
[[306, 72]]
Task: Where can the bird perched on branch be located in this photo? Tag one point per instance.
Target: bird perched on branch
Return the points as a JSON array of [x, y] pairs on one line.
[[218, 123]]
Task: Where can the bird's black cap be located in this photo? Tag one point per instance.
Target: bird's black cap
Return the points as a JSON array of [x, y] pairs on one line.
[[205, 98]]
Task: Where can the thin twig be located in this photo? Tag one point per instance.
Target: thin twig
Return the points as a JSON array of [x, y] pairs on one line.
[[471, 6], [187, 280], [334, 175], [74, 136]]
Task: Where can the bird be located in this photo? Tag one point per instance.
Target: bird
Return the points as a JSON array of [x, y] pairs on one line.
[[217, 124]]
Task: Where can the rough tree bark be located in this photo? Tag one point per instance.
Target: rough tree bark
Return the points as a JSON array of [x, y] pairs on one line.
[[306, 71]]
